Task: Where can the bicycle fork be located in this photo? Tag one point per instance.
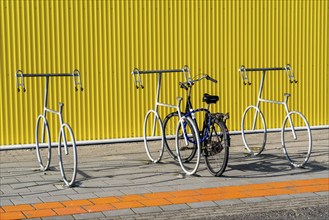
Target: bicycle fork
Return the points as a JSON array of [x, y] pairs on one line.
[[179, 99], [62, 127]]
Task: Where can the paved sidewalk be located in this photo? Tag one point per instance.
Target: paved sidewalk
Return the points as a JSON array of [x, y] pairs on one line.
[[116, 180]]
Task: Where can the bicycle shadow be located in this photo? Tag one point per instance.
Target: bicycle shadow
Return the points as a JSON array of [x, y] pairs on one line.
[[270, 165]]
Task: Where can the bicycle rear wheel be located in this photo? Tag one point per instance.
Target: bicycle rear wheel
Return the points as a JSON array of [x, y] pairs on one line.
[[153, 136], [67, 155], [191, 146], [253, 130], [42, 137], [216, 148], [297, 149]]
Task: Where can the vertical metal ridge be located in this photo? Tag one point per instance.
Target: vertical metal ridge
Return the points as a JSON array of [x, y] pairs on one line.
[[105, 40]]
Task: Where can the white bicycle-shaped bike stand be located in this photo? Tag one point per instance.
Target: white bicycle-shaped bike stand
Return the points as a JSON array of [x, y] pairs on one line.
[[66, 140], [296, 137], [153, 129]]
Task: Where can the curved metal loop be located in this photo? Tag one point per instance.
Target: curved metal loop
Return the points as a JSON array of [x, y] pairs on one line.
[[244, 75], [137, 78], [77, 80], [19, 73], [187, 73], [290, 74]]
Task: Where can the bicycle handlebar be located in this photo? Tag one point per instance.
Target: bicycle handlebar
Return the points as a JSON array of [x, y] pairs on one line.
[[243, 71], [138, 81], [190, 83], [75, 74]]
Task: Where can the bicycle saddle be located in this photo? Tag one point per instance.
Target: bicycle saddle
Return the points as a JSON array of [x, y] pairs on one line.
[[210, 99]]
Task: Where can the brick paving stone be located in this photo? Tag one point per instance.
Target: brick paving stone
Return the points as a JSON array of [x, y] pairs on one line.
[[39, 213]]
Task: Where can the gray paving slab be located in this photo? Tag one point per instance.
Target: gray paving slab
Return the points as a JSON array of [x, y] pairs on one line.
[[202, 204], [145, 210], [121, 212], [175, 207], [94, 215], [5, 202], [81, 196], [228, 202], [32, 200], [279, 197], [323, 193], [66, 217], [255, 199], [55, 198], [304, 195], [108, 193]]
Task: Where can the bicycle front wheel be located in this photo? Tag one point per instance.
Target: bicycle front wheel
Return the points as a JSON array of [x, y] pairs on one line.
[[42, 137], [216, 148], [153, 136], [67, 155], [169, 128], [296, 139], [253, 130], [188, 143]]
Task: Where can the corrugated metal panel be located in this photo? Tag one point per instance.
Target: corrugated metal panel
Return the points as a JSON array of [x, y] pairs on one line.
[[105, 40]]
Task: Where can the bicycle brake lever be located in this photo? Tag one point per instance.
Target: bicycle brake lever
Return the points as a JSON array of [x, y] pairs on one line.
[[183, 86]]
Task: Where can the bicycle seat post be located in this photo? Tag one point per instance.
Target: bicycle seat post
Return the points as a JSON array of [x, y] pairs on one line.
[[61, 105]]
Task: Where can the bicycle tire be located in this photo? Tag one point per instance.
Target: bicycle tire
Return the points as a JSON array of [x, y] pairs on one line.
[[152, 137], [216, 148], [43, 166], [71, 162], [191, 166], [249, 136], [169, 127], [293, 148]]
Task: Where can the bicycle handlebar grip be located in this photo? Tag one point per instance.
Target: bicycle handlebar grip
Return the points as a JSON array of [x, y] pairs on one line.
[[211, 79]]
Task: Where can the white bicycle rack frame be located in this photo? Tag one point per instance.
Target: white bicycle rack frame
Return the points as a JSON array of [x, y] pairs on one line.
[[77, 83], [243, 71]]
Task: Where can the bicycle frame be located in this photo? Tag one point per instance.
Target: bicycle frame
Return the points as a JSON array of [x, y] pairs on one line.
[[288, 69], [189, 111]]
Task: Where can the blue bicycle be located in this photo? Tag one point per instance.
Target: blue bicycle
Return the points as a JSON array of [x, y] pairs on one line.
[[214, 135]]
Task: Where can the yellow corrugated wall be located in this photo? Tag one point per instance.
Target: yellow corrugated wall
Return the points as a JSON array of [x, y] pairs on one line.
[[105, 40]]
